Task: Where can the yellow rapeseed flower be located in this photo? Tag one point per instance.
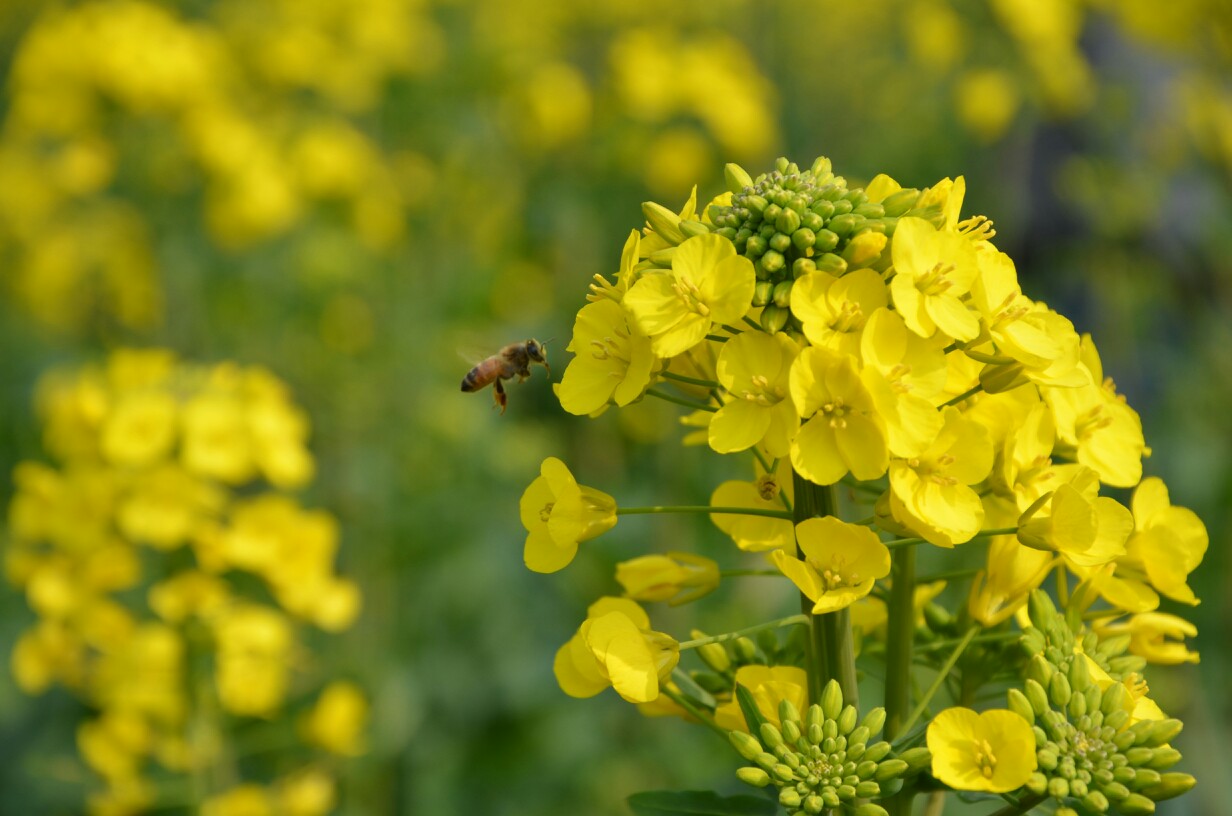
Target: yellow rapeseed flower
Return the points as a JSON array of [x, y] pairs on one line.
[[843, 432], [756, 533], [338, 719], [676, 577], [754, 368], [558, 514], [1075, 521], [841, 562], [769, 686], [834, 310], [613, 360], [1168, 542], [932, 271], [615, 647], [992, 752]]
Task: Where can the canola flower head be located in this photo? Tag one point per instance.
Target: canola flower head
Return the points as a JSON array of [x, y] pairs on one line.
[[615, 647], [986, 751], [840, 562], [558, 514]]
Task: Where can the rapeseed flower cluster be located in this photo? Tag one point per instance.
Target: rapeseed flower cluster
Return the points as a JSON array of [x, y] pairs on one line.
[[173, 575], [872, 338]]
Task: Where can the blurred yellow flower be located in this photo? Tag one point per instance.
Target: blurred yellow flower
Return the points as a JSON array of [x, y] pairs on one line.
[[338, 719]]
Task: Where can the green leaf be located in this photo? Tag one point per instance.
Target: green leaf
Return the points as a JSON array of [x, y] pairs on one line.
[[752, 714], [699, 803]]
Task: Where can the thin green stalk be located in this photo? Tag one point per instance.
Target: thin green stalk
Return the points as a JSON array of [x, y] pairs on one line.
[[718, 338], [736, 573], [832, 646], [697, 406], [909, 542], [947, 575], [990, 637], [790, 620], [753, 323], [1024, 805], [702, 717], [703, 508], [1062, 586], [769, 467], [900, 633], [971, 392], [670, 375], [939, 680], [733, 329]]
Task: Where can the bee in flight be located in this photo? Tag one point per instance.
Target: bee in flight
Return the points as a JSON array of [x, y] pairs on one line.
[[513, 360]]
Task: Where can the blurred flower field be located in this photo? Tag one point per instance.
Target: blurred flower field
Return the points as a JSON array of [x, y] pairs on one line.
[[263, 557]]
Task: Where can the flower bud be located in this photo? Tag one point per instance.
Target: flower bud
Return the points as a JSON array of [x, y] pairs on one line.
[[1019, 704], [788, 798], [1095, 801], [753, 776], [763, 292], [791, 730], [1115, 791], [745, 649], [889, 769], [1169, 786], [1164, 758], [916, 759], [874, 720], [878, 751], [1036, 696], [662, 258], [803, 239], [736, 178], [1037, 783], [831, 700], [780, 242], [771, 737], [802, 266], [772, 260], [782, 294], [691, 228], [859, 735], [825, 240], [900, 202], [864, 249], [1117, 719], [1058, 787], [784, 773], [1163, 731], [663, 221], [745, 744], [1136, 805], [830, 798], [1079, 675], [1047, 759], [1145, 778], [867, 789], [1059, 690], [813, 804], [787, 222], [1077, 705], [824, 208]]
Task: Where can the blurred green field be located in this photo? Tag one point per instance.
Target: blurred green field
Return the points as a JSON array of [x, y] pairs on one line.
[[365, 197]]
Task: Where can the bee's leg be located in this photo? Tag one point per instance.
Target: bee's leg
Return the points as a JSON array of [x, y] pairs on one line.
[[498, 394]]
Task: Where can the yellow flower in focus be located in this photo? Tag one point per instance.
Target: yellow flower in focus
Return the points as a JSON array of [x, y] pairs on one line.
[[558, 514], [338, 719], [913, 376], [1003, 586], [613, 361], [841, 562], [930, 492], [707, 284], [677, 577], [769, 685], [843, 431], [932, 271], [1168, 542], [243, 800], [1095, 421], [992, 752], [615, 647], [756, 533], [1075, 521], [1156, 636], [834, 310], [754, 368]]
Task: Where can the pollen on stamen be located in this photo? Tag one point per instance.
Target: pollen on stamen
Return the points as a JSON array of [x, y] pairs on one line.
[[545, 512]]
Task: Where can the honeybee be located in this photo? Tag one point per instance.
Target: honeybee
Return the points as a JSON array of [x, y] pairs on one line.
[[513, 360]]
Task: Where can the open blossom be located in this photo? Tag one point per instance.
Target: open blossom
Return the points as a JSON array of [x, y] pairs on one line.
[[1168, 542], [843, 432], [756, 533], [933, 269], [558, 514], [613, 361], [1085, 528], [615, 647], [753, 368], [707, 284], [677, 577], [769, 686], [993, 751], [834, 310], [841, 562]]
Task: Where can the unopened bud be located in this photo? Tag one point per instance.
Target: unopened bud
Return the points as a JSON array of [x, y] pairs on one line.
[[1095, 801], [878, 751], [1164, 758], [791, 730], [1037, 783], [1164, 731], [1169, 786], [783, 773], [763, 293], [867, 789], [1079, 675], [1047, 759], [832, 700], [745, 649], [889, 769], [736, 177], [691, 229], [803, 239], [745, 744], [782, 294], [1058, 787], [900, 202], [788, 798], [1077, 705], [874, 720], [1115, 791], [813, 804], [663, 221], [714, 655], [771, 737], [871, 809], [1020, 705], [864, 249], [753, 776], [1059, 691], [1136, 805], [916, 758], [859, 735]]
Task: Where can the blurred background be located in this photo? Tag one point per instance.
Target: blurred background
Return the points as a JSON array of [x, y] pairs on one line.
[[347, 193]]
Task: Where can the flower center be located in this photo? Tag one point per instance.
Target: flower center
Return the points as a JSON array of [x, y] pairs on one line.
[[762, 392], [849, 318], [836, 574], [545, 512], [690, 296], [936, 280], [836, 411], [610, 348], [984, 759], [1094, 420]]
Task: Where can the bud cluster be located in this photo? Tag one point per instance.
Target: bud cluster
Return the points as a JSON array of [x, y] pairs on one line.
[[1052, 637], [791, 222], [1091, 757], [824, 760]]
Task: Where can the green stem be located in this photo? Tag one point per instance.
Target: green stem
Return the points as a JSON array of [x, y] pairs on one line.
[[752, 323], [990, 359], [769, 467], [908, 542], [703, 508], [971, 392], [790, 620], [900, 633], [1023, 805], [946, 576], [697, 406], [991, 637], [1062, 586], [736, 573], [939, 680], [702, 717], [718, 338], [690, 380], [733, 329], [832, 646]]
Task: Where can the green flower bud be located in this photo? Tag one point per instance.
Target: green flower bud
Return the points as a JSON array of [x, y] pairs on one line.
[[1113, 698], [771, 737], [753, 776], [735, 177], [889, 769], [788, 711], [713, 683], [782, 294], [1077, 705], [900, 202], [870, 210], [763, 293], [842, 207], [1136, 805], [811, 221], [803, 239], [1117, 719], [1164, 758], [780, 242], [823, 208], [791, 730], [871, 809], [745, 649], [690, 228], [831, 700], [846, 792], [1140, 755], [916, 758], [663, 221], [1032, 643], [788, 221], [1037, 697], [1039, 669], [830, 729], [825, 240], [1019, 704], [784, 773], [1170, 785], [847, 720], [813, 804], [859, 735], [790, 758], [1065, 811], [1040, 608], [771, 213], [878, 751], [856, 752], [788, 798], [1079, 676], [828, 745], [745, 744], [1077, 788], [1095, 801], [844, 225], [868, 789], [1037, 783], [874, 720], [866, 769], [830, 798], [1047, 759], [755, 246], [662, 258], [1163, 731], [864, 249], [1146, 778], [1059, 690], [1115, 791], [815, 715], [1125, 774], [815, 734], [802, 266], [1058, 787]]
